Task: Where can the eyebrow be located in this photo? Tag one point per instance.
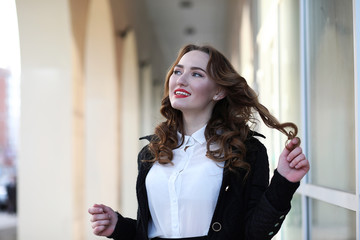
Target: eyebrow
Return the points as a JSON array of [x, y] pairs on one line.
[[192, 68]]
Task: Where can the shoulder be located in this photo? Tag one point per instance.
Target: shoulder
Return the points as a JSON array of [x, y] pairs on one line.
[[253, 143], [145, 153], [256, 152], [256, 156], [149, 138]]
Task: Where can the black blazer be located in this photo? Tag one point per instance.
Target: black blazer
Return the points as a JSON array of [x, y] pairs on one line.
[[246, 209]]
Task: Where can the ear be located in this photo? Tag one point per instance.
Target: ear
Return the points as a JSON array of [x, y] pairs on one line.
[[219, 95]]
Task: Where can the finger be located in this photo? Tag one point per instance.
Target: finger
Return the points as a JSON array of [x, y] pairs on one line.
[[101, 223], [96, 205], [106, 209], [295, 142], [99, 229], [294, 153], [103, 207], [303, 164], [98, 217], [95, 210], [296, 160], [290, 146]]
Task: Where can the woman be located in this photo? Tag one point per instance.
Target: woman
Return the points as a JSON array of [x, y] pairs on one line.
[[204, 174]]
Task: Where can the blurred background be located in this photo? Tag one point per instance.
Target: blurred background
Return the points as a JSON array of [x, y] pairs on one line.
[[82, 80]]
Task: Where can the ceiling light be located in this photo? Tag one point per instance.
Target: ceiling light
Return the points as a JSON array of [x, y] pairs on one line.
[[189, 31], [186, 4]]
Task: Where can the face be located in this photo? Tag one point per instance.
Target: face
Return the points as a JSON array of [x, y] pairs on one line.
[[190, 89]]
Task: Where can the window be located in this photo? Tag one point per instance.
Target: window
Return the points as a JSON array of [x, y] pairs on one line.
[[305, 73], [331, 94]]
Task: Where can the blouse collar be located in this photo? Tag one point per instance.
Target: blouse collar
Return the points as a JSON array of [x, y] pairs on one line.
[[198, 136]]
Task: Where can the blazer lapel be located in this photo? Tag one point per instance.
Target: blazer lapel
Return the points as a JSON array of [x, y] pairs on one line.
[[143, 212]]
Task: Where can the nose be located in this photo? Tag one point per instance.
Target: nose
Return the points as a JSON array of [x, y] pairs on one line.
[[182, 80]]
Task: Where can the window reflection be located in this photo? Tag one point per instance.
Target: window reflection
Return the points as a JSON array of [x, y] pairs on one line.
[[292, 226], [331, 86], [332, 222]]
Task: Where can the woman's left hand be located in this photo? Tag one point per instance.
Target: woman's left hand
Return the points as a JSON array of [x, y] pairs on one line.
[[293, 164]]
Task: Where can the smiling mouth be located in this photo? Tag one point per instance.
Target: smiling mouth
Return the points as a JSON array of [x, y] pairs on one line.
[[181, 93]]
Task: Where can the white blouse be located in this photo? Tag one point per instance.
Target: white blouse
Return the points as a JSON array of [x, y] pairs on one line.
[[182, 197]]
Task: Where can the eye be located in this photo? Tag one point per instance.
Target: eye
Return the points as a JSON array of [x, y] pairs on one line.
[[195, 74], [176, 72]]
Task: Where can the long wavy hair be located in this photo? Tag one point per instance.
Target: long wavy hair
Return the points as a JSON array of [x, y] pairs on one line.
[[228, 126]]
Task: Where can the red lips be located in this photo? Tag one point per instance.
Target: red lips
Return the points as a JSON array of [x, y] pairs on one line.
[[181, 93]]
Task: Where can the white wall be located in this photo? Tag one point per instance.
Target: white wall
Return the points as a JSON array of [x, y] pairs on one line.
[[130, 121], [101, 110], [45, 154]]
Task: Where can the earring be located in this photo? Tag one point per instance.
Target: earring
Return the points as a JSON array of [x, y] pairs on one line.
[[215, 98]]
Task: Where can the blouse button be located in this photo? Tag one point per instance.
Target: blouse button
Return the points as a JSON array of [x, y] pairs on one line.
[[216, 226], [227, 188]]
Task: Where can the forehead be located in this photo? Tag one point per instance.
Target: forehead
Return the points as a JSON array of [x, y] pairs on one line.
[[195, 58]]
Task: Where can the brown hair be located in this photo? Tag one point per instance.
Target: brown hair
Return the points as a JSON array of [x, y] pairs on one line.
[[228, 126]]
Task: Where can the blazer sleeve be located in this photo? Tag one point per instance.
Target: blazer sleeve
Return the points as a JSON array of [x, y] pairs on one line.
[[125, 228], [267, 204]]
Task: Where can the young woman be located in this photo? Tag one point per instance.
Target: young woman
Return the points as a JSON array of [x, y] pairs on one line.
[[204, 174]]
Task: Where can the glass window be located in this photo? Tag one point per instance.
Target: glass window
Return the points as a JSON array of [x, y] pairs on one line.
[[289, 58], [332, 222], [292, 226], [331, 94], [290, 98]]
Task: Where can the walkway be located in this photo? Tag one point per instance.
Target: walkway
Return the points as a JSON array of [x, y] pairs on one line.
[[8, 223]]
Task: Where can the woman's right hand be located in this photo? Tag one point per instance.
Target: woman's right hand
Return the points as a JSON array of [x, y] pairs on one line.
[[103, 220]]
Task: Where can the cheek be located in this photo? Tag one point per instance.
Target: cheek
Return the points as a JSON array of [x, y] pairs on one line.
[[171, 87], [172, 83], [207, 90]]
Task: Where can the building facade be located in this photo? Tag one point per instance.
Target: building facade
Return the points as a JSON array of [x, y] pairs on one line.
[[87, 95], [304, 63]]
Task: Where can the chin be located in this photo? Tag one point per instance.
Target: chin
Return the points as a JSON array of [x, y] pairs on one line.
[[176, 106]]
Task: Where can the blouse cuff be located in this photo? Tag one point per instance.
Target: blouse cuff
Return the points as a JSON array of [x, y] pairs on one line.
[[281, 191]]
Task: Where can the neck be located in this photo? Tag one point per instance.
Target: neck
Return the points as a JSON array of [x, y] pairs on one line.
[[193, 123]]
